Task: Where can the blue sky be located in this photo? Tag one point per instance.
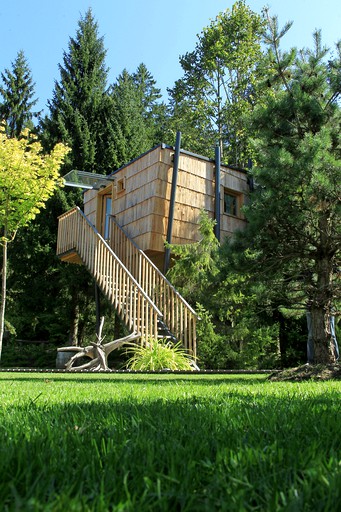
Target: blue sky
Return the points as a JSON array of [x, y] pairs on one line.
[[155, 32]]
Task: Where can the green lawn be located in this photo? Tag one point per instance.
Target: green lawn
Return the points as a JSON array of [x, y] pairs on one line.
[[133, 442]]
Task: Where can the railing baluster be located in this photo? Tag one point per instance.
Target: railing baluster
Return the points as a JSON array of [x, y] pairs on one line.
[[143, 274]]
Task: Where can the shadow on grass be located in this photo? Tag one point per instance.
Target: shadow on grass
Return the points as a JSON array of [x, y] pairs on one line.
[[182, 454], [157, 379]]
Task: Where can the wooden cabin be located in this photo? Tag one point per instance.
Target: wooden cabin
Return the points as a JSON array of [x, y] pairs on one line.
[[128, 216], [139, 195]]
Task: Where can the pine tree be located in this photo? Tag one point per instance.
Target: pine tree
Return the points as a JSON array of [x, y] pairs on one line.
[[293, 231], [17, 94]]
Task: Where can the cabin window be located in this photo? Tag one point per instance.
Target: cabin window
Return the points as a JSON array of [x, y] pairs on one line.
[[107, 213], [231, 203], [121, 185]]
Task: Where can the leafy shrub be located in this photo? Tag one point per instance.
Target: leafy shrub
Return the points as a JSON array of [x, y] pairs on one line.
[[246, 345], [159, 355], [214, 352]]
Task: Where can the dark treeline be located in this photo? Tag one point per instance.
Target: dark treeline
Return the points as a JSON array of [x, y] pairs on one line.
[[278, 109]]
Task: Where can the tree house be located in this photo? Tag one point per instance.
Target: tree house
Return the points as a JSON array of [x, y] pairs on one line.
[[128, 216]]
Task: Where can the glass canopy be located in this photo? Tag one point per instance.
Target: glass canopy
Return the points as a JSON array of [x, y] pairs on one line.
[[86, 180]]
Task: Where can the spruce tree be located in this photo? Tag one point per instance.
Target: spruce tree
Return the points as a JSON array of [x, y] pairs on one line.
[[128, 96], [140, 114], [153, 110], [129, 117], [81, 113], [17, 91]]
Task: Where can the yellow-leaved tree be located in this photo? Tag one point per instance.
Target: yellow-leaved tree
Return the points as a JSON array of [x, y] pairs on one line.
[[28, 177]]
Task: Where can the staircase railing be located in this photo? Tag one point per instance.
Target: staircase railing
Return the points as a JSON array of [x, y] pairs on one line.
[[76, 233], [178, 315]]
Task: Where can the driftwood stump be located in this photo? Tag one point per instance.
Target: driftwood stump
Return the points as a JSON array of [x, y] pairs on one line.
[[96, 351]]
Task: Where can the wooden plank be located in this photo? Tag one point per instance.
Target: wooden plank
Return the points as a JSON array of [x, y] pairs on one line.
[[195, 166], [141, 171], [137, 179], [121, 289], [90, 205]]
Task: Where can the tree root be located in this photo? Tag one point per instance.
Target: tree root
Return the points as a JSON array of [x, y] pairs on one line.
[[97, 352]]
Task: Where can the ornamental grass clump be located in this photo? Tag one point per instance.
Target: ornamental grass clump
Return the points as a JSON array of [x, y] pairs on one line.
[[159, 355]]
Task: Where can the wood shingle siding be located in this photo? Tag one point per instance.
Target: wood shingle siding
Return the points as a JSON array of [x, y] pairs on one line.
[[142, 207]]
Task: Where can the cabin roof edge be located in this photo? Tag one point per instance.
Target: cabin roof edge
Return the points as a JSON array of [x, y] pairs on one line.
[[162, 145]]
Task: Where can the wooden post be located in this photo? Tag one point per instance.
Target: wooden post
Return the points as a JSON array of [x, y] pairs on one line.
[[98, 309], [172, 199]]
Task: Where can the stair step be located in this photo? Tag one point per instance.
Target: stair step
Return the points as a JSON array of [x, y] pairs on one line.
[[170, 338]]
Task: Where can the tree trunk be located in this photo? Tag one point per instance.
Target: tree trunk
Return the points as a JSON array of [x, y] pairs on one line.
[[3, 291], [97, 352], [322, 339], [75, 319], [321, 305], [282, 336]]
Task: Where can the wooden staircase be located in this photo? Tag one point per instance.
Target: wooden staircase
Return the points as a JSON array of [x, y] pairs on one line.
[[145, 300]]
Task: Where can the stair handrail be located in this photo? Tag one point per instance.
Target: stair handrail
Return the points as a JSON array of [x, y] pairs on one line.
[[152, 286], [149, 261], [114, 255], [179, 318]]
